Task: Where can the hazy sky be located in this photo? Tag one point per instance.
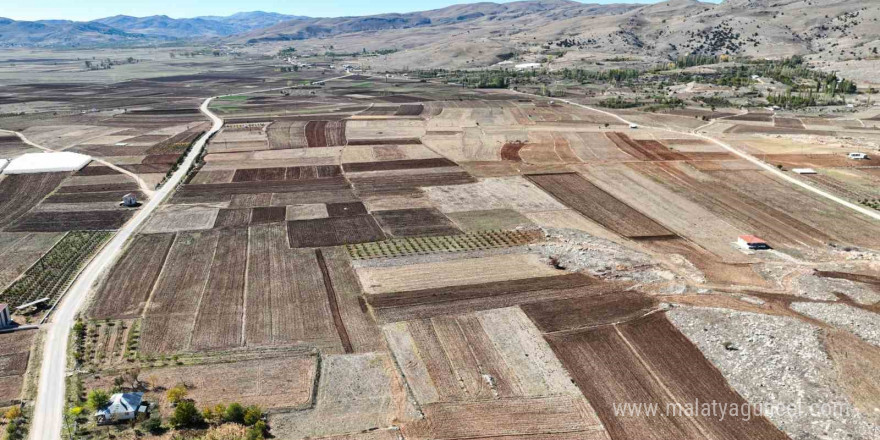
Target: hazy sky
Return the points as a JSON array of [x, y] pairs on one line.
[[92, 9]]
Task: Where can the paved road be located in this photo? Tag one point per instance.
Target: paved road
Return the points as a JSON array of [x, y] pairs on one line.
[[48, 415], [767, 167]]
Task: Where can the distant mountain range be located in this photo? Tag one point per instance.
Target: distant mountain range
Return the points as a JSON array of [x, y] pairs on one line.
[[127, 30], [480, 34]]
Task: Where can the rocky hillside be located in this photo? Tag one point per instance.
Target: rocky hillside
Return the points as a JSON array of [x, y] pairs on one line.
[[571, 32]]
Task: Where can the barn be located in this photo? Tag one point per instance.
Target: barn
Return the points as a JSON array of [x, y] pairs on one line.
[[752, 242]]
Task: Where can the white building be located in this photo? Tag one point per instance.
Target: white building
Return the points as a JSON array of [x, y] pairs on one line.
[[122, 406]]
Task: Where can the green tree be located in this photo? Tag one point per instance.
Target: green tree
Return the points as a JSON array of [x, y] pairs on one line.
[[252, 415], [97, 399], [186, 415], [234, 413]]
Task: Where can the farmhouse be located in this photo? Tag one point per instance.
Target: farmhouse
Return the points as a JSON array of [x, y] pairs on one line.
[[5, 320], [122, 406], [752, 242], [129, 200]]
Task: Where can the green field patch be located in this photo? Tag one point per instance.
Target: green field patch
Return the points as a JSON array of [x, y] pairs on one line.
[[471, 241], [51, 274]]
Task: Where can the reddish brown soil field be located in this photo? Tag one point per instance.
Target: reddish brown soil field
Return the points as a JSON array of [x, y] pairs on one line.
[[149, 168], [14, 353], [215, 192], [589, 311], [232, 218], [286, 300], [753, 117], [401, 141], [161, 158], [364, 336], [124, 294], [510, 151], [753, 129], [765, 221], [96, 170], [259, 175], [582, 196], [420, 304], [334, 231], [860, 278], [388, 152], [88, 197], [644, 149], [316, 134], [410, 110], [534, 418], [21, 192], [709, 156], [273, 214], [171, 311], [415, 222], [68, 221], [346, 209], [178, 144], [390, 165], [406, 184], [788, 123], [647, 361], [129, 186], [221, 308], [688, 376]]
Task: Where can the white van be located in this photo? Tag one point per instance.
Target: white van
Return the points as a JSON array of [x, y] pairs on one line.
[[858, 156]]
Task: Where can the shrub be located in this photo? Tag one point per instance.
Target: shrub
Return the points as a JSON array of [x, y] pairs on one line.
[[97, 399], [257, 432], [176, 394], [186, 415], [234, 413], [12, 413], [252, 415], [153, 425]]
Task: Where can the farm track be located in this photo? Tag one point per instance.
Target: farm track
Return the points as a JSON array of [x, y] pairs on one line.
[[49, 407]]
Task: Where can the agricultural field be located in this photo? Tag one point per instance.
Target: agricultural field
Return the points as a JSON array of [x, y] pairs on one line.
[[376, 259]]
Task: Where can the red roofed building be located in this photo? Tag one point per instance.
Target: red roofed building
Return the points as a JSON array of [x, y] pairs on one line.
[[752, 242]]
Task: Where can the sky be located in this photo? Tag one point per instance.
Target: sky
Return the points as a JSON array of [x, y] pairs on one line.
[[83, 10]]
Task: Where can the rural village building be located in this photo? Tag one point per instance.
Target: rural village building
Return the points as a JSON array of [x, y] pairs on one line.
[[122, 406], [752, 242], [5, 320]]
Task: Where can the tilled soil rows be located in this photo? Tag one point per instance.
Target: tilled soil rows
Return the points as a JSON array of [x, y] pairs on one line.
[[588, 199], [125, 292]]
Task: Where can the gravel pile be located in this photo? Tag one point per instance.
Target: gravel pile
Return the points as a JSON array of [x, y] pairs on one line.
[[861, 323], [772, 360], [821, 288], [577, 251]]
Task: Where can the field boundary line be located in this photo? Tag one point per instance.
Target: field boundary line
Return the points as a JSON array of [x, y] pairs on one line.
[[334, 303]]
